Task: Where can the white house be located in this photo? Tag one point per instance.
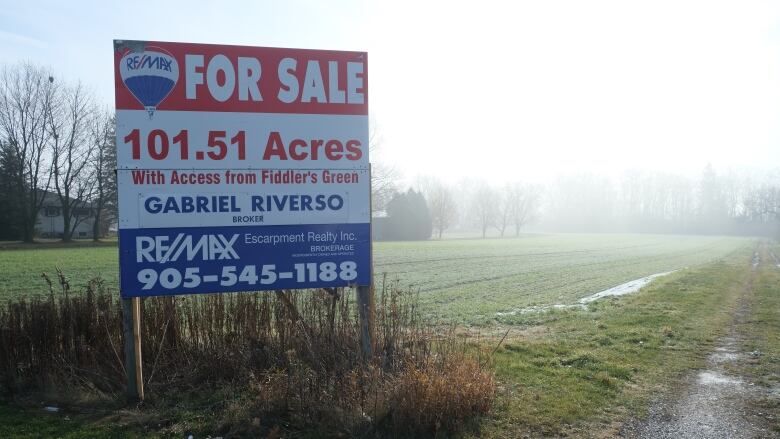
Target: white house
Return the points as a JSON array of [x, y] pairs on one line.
[[50, 222]]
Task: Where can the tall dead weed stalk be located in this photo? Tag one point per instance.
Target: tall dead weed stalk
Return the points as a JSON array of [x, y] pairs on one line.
[[296, 353]]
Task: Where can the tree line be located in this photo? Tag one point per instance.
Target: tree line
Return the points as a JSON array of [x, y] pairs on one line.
[[432, 207], [638, 201], [729, 202], [57, 143]]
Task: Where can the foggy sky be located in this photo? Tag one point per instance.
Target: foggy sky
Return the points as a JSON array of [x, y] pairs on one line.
[[486, 89]]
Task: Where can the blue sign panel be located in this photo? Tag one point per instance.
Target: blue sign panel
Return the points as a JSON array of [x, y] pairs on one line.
[[201, 260]]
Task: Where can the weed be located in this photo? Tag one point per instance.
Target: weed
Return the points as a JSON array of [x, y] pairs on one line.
[[283, 359]]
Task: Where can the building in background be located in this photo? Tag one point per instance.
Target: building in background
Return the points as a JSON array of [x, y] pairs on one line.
[[50, 222]]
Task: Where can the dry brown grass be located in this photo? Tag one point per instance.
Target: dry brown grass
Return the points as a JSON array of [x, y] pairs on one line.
[[294, 356], [441, 396]]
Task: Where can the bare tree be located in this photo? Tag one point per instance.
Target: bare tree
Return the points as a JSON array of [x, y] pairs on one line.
[[383, 177], [443, 209], [103, 171], [521, 202], [504, 208], [26, 94], [71, 116], [483, 204], [763, 204]]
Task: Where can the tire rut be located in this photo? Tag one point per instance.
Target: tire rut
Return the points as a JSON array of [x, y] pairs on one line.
[[715, 403]]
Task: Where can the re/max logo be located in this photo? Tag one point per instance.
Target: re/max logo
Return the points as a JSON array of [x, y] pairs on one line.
[[146, 61], [207, 248]]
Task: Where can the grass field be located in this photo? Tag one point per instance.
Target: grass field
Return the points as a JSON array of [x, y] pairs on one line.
[[578, 372], [582, 372], [574, 372], [471, 280], [466, 280]]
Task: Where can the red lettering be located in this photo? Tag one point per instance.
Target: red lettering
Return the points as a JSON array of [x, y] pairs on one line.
[[315, 145], [275, 147], [353, 146], [334, 150], [299, 149], [294, 145]]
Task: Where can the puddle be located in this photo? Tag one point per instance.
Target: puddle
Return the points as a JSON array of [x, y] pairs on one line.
[[724, 357], [623, 289], [535, 309], [709, 377], [620, 290]]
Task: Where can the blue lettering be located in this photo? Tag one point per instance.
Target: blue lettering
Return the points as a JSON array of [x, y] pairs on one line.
[[280, 203], [187, 205], [171, 206], [335, 202], [257, 204], [157, 62], [305, 202], [153, 205], [320, 201], [296, 203]]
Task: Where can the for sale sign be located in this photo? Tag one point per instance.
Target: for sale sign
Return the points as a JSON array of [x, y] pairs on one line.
[[241, 168]]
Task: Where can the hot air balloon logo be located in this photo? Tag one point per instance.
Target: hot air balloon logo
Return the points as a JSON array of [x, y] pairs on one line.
[[150, 75]]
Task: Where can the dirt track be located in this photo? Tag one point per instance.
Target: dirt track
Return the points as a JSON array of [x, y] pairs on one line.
[[712, 402]]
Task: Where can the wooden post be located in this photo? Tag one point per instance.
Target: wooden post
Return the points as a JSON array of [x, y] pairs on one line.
[[131, 318], [139, 376], [366, 315], [365, 293]]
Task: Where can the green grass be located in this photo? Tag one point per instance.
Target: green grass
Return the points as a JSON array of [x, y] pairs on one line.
[[20, 270], [593, 367], [471, 280], [24, 423], [563, 372], [465, 280], [761, 332]]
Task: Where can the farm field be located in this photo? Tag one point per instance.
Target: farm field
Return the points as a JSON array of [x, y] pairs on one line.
[[465, 280], [472, 280], [580, 372]]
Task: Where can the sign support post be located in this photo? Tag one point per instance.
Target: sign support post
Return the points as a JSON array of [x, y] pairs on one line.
[[131, 318], [139, 376], [366, 316], [365, 293]]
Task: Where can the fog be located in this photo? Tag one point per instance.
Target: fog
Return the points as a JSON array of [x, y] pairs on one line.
[[616, 116], [604, 116], [536, 90], [583, 117], [494, 90]]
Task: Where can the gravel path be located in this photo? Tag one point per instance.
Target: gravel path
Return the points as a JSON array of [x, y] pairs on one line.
[[712, 403]]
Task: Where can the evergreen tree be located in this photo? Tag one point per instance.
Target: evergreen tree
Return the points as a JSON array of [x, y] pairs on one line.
[[408, 217], [11, 221], [104, 202], [712, 206]]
